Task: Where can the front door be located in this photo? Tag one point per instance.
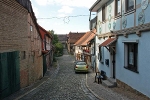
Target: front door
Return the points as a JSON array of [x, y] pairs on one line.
[[113, 69]]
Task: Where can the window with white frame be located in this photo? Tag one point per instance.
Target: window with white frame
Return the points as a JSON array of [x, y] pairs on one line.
[[118, 7], [131, 56], [130, 5]]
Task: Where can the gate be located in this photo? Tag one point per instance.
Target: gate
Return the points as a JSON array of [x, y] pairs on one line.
[[9, 73]]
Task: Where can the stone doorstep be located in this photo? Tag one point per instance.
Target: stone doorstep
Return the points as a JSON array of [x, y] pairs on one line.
[[110, 82]]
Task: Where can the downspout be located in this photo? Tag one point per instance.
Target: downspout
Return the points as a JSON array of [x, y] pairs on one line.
[[90, 16]]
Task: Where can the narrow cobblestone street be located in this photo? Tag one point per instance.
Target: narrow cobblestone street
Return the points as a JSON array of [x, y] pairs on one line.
[[64, 84]]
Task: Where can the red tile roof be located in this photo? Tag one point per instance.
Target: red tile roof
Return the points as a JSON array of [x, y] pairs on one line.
[[108, 42], [43, 32], [74, 37], [83, 41]]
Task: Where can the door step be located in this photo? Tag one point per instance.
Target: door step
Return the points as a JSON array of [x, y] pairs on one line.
[[110, 82]]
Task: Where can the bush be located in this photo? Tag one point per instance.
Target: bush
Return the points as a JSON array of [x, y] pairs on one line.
[[58, 49]]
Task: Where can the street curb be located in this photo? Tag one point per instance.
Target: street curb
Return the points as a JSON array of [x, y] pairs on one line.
[[92, 91], [31, 90]]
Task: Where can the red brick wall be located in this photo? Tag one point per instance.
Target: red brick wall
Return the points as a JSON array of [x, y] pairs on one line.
[[15, 35]]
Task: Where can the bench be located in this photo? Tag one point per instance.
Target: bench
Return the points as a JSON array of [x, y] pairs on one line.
[[100, 75]]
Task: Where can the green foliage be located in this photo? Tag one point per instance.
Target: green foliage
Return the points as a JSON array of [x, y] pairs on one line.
[[55, 37], [59, 49], [57, 44]]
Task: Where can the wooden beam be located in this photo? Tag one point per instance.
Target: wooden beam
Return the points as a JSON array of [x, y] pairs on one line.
[[107, 48], [113, 48]]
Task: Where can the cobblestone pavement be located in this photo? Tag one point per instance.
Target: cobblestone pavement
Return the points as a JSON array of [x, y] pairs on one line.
[[102, 91], [61, 83], [64, 84]]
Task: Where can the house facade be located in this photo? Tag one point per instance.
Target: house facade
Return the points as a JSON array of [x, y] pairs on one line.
[[72, 38], [82, 47], [20, 47], [122, 42], [47, 49]]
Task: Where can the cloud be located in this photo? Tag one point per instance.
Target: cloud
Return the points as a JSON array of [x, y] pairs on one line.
[[42, 2], [65, 9], [72, 3]]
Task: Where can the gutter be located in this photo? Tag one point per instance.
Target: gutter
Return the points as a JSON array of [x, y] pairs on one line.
[[93, 7]]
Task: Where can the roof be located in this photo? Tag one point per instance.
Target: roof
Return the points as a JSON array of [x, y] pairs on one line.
[[108, 42], [43, 32], [62, 37], [83, 41], [98, 4], [74, 37]]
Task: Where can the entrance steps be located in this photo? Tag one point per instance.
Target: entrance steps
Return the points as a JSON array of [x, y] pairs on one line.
[[110, 82]]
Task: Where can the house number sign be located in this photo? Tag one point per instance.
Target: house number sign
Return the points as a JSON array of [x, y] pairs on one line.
[[144, 4]]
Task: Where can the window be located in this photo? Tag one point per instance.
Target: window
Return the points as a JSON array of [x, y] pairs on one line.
[[101, 54], [118, 7], [131, 56], [31, 29], [130, 4], [103, 13]]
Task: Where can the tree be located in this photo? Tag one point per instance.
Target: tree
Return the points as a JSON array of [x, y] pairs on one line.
[[57, 44], [55, 37], [59, 49]]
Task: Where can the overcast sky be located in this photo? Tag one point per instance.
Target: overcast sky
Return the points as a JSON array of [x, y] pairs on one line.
[[54, 12]]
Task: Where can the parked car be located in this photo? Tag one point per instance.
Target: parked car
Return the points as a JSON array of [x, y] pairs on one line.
[[81, 66]]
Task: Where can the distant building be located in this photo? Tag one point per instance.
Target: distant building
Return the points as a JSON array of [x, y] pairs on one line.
[[82, 47], [63, 39], [72, 38], [47, 49]]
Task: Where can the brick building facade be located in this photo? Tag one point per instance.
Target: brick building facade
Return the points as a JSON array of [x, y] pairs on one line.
[[19, 32]]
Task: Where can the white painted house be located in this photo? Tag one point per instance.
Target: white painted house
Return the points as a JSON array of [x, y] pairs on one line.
[[122, 44]]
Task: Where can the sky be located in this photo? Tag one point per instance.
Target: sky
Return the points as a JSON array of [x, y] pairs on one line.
[[63, 16]]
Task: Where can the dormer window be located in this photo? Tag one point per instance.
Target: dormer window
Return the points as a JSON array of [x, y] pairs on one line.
[[130, 5]]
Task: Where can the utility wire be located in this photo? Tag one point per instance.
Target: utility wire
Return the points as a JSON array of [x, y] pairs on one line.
[[66, 18]]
